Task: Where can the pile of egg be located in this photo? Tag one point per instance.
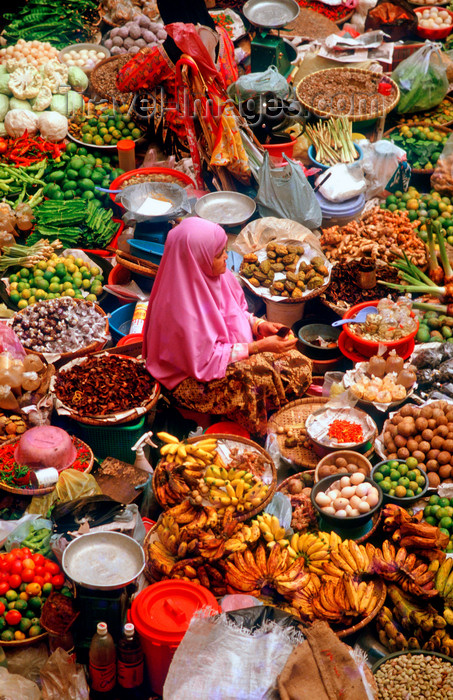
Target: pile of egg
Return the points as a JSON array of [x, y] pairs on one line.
[[434, 18], [83, 58], [348, 497], [36, 52]]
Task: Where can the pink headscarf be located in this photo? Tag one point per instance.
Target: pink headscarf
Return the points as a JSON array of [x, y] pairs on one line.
[[193, 318]]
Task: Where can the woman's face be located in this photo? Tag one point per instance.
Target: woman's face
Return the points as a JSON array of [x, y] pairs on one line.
[[219, 263]]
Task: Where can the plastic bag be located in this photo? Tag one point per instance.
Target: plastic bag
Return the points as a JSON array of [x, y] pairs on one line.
[[9, 342], [345, 182], [442, 177], [134, 196], [282, 508], [62, 679], [286, 193], [255, 84], [251, 647], [29, 661], [422, 79], [13, 687], [386, 168], [20, 533], [71, 484], [257, 234]]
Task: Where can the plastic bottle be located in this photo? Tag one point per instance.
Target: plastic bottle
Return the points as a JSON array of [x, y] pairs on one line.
[[130, 665], [126, 154], [102, 665]]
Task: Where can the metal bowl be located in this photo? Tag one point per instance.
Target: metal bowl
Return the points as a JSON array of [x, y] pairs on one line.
[[103, 561], [307, 334], [270, 13], [225, 208]]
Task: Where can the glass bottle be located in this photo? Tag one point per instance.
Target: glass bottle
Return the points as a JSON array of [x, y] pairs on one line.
[[130, 665], [102, 665]]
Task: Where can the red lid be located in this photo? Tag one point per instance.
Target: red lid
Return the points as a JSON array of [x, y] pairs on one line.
[[228, 428], [125, 145], [130, 339], [163, 611], [383, 88]]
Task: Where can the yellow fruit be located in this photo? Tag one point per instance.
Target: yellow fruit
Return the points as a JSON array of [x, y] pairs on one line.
[[412, 205]]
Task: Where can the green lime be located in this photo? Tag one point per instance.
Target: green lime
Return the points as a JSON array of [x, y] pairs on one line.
[[385, 486], [385, 469], [444, 502], [86, 184], [7, 635], [378, 476]]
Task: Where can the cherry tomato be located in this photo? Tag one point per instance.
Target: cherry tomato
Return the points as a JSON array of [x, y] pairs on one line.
[[15, 581], [13, 617], [3, 576], [58, 581], [4, 586], [27, 575], [18, 553], [26, 552], [2, 608], [4, 565], [38, 559], [39, 579], [16, 567], [28, 563], [39, 570], [9, 558], [47, 576], [51, 567]]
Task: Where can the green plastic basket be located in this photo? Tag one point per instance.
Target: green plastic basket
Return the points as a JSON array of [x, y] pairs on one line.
[[112, 441]]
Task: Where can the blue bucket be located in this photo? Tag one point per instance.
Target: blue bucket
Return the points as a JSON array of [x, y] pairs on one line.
[[120, 321]]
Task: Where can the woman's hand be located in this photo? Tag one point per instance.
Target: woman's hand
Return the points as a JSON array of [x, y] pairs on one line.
[[268, 328], [273, 343]]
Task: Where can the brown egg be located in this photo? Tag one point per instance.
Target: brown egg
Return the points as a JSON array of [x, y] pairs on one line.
[[323, 471], [434, 479], [341, 462], [352, 468]]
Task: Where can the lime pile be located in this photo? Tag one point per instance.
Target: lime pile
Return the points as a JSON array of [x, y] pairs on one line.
[[104, 127], [423, 144], [78, 174], [400, 479], [435, 327], [421, 207], [439, 512], [56, 277]]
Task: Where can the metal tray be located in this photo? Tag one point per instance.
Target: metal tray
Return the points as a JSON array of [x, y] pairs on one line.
[[270, 13], [225, 208], [104, 561]]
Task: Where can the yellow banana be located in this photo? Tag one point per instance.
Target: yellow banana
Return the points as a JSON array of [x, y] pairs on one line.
[[295, 542], [443, 574], [182, 452], [166, 437], [230, 490], [213, 481], [169, 448], [239, 489]]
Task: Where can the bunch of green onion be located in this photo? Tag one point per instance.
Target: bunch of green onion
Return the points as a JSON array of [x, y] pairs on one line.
[[25, 256]]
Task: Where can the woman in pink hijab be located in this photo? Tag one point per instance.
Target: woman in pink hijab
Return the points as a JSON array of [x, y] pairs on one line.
[[199, 339]]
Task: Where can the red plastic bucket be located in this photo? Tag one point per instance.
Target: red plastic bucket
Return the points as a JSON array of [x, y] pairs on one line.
[[161, 614], [228, 428], [276, 150]]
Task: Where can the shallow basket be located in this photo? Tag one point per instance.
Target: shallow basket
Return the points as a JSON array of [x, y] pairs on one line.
[[356, 117]]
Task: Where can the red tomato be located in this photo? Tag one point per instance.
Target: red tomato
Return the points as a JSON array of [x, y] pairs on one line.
[[51, 567], [2, 608], [13, 617], [3, 576], [16, 567], [28, 563], [4, 565], [15, 581], [47, 576], [26, 552], [4, 586], [39, 570], [27, 575], [58, 581], [9, 558], [39, 579], [18, 553], [38, 559]]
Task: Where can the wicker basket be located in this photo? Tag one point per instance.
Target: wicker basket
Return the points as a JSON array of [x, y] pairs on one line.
[[137, 265], [366, 620], [353, 116], [442, 129], [294, 415], [233, 438]]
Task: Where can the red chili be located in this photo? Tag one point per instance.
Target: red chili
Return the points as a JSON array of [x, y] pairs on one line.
[[344, 431]]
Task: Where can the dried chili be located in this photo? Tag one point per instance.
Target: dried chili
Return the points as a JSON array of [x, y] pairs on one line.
[[344, 431], [333, 13]]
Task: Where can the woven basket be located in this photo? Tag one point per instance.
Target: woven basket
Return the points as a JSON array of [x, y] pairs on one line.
[[95, 346], [356, 117], [137, 265], [442, 129], [447, 98], [294, 415], [233, 438]]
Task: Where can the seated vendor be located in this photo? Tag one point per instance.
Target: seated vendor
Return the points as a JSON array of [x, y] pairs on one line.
[[202, 344]]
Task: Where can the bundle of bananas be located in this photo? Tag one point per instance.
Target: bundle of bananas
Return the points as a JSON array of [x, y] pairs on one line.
[[443, 581], [271, 529], [413, 575], [339, 601], [408, 530], [312, 549], [348, 557], [233, 487]]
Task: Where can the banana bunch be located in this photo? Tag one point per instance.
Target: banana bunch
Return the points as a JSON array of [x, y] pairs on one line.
[[160, 561], [250, 572], [199, 453], [349, 558], [397, 566], [390, 633], [444, 579], [237, 489], [412, 615], [271, 530], [311, 549], [343, 600]]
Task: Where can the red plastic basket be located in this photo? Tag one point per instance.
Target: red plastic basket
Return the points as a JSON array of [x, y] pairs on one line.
[[117, 182]]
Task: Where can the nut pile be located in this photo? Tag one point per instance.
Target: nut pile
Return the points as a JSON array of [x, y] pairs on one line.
[[283, 272], [104, 384], [415, 677], [383, 234], [294, 437], [11, 426], [59, 325], [340, 465]]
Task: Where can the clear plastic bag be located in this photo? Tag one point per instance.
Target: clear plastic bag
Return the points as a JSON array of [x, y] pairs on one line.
[[422, 79], [286, 193], [9, 342], [71, 484], [255, 84], [386, 168], [13, 687], [62, 679], [442, 177]]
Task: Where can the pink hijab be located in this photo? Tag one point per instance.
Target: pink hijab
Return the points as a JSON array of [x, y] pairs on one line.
[[193, 318]]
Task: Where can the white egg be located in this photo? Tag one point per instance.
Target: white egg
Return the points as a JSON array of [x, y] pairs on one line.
[[425, 13], [438, 20], [83, 53], [364, 507], [345, 481], [328, 510], [341, 513], [333, 493], [444, 14], [357, 478], [347, 492], [362, 489], [373, 498], [355, 500], [348, 509], [340, 503], [100, 55], [322, 499], [354, 513]]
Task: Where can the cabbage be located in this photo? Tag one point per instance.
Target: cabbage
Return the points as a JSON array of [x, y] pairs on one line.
[[53, 126], [14, 103], [4, 84], [4, 106], [3, 131], [66, 104], [77, 79], [18, 121]]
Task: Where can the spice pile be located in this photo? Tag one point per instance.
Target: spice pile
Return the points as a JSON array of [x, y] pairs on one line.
[[344, 431], [344, 290], [104, 384]]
